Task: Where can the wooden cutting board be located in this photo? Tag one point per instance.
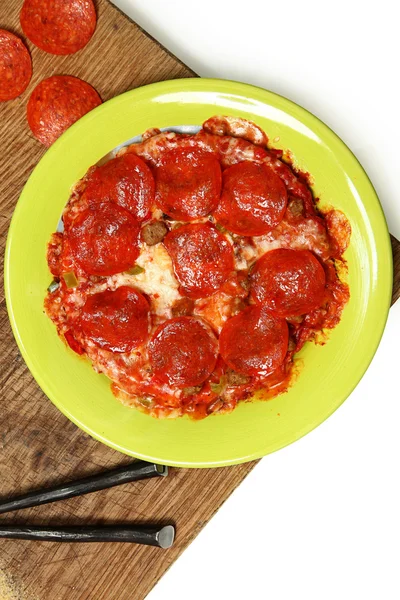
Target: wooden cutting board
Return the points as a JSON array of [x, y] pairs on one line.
[[38, 445]]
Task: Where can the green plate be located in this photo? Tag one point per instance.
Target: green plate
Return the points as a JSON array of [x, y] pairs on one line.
[[254, 429]]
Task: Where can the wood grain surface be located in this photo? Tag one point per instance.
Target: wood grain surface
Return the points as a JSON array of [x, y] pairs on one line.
[[396, 269], [38, 445]]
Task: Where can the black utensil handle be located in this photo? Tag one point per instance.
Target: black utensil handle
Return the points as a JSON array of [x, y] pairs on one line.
[[150, 536], [132, 472]]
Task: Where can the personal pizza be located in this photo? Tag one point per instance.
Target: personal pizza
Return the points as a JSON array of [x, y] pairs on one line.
[[190, 269]]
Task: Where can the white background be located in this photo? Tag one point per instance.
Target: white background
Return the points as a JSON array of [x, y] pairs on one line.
[[318, 520]]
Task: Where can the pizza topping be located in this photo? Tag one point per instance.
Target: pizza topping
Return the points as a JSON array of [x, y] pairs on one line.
[[234, 378], [339, 232], [188, 183], [297, 233], [237, 285], [15, 66], [135, 270], [117, 320], [190, 391], [157, 280], [70, 280], [73, 343], [58, 26], [295, 208], [254, 342], [288, 282], [53, 287], [253, 199], [295, 185], [54, 253], [183, 352], [56, 103], [236, 127], [153, 233], [202, 258], [104, 239], [125, 180], [151, 132], [183, 307]]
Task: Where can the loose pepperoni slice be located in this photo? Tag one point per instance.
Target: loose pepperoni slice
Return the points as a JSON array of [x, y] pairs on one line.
[[288, 282], [15, 66], [56, 103], [104, 239], [202, 258], [58, 26], [125, 180], [254, 342], [188, 183], [183, 352], [253, 199], [116, 320]]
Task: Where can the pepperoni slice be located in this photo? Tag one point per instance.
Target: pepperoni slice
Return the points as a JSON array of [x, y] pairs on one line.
[[58, 26], [125, 180], [73, 343], [56, 103], [116, 320], [253, 199], [288, 282], [202, 258], [15, 66], [254, 342], [104, 239], [183, 352], [188, 183]]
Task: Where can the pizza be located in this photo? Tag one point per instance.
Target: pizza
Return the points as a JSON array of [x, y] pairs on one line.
[[191, 269]]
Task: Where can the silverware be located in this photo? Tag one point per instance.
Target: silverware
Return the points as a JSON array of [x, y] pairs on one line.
[[133, 472], [162, 537], [151, 535]]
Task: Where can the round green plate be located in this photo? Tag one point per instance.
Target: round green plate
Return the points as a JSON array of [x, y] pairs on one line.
[[254, 429]]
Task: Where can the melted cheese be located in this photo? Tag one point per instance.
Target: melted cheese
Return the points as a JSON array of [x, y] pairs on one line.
[[157, 280], [215, 309], [306, 234]]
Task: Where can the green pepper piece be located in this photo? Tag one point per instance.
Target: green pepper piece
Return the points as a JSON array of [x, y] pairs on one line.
[[135, 270]]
